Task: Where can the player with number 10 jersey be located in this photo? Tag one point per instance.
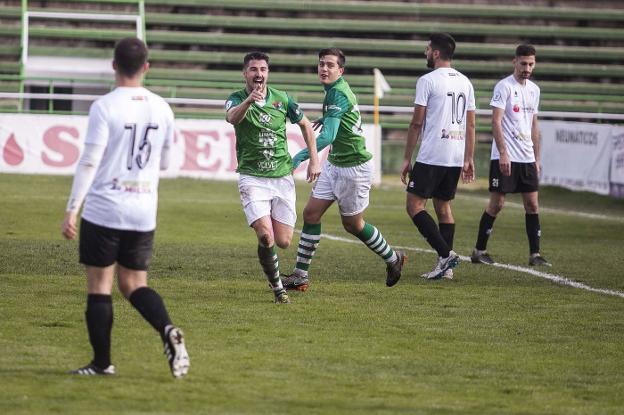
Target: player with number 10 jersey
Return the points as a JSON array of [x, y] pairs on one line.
[[448, 95]]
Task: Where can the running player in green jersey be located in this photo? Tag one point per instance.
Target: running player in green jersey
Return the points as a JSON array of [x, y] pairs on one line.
[[267, 189], [346, 177]]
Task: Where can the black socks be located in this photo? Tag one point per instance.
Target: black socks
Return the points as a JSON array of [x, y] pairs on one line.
[[99, 317], [485, 229], [428, 228], [151, 306], [533, 232]]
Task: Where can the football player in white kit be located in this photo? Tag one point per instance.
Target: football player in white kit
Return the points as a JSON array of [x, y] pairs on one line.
[[128, 137], [444, 116], [515, 160]]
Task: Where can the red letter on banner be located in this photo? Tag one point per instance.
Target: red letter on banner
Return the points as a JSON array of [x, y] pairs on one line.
[[69, 152], [192, 150]]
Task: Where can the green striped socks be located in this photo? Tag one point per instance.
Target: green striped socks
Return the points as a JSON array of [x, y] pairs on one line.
[[270, 266], [375, 241], [308, 242]]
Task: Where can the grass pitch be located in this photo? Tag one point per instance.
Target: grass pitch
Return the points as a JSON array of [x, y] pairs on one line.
[[490, 341]]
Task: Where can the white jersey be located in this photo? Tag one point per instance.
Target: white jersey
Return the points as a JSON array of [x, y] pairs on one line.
[[133, 124], [448, 95], [520, 103]]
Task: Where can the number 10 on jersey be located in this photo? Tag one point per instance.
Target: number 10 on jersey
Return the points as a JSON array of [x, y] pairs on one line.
[[457, 116]]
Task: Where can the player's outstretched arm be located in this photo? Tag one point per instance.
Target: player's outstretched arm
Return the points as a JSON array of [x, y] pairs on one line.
[[325, 138], [314, 167], [413, 135]]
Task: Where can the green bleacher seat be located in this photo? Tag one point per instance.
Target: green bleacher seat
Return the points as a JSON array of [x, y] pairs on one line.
[[196, 46]]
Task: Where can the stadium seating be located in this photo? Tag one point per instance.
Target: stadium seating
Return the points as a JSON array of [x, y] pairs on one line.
[[197, 46]]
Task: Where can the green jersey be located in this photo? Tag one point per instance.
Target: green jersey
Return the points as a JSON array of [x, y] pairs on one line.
[[349, 147], [261, 148]]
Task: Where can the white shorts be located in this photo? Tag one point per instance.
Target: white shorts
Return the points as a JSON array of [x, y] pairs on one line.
[[268, 196], [349, 186]]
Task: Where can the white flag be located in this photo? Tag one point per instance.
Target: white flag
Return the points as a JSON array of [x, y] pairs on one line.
[[381, 85]]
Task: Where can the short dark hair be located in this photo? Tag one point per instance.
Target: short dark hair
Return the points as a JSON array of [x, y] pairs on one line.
[[255, 56], [335, 52], [130, 56], [443, 43], [525, 50]]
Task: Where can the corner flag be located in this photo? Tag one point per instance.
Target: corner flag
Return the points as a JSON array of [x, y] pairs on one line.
[[380, 86]]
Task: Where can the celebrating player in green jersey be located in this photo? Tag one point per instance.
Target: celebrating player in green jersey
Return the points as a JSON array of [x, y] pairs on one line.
[[346, 176], [266, 185]]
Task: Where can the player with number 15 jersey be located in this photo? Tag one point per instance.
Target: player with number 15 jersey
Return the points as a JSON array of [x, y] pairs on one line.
[[133, 125], [127, 143]]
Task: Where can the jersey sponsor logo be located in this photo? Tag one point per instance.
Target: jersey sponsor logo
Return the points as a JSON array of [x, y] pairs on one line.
[[131, 186], [265, 118], [228, 105], [267, 138], [333, 107], [452, 134], [517, 135], [268, 154], [268, 163], [528, 110], [139, 98]]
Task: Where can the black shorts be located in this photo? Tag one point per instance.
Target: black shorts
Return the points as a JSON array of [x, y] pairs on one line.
[[429, 181], [101, 246], [523, 178]]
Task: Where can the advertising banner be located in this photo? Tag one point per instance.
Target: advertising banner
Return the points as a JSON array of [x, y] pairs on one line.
[[576, 155], [617, 163], [52, 144]]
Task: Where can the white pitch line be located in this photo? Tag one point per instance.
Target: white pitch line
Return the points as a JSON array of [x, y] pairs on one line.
[[552, 277], [549, 210]]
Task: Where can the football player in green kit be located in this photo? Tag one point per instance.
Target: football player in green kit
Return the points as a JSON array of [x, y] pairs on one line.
[[267, 189], [346, 177]]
